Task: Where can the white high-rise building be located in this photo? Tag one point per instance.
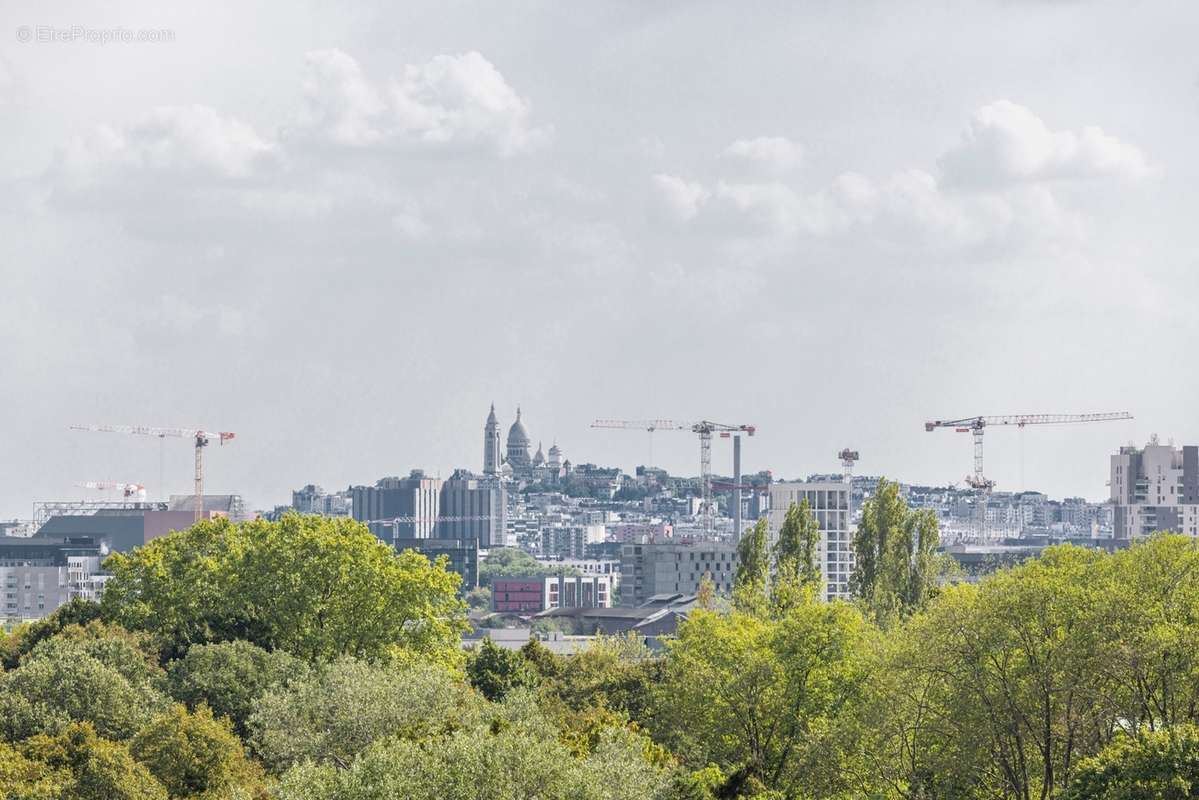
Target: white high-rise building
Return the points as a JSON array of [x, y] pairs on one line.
[[1155, 489], [829, 501]]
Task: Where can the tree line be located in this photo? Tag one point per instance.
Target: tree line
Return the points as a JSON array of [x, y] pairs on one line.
[[304, 660]]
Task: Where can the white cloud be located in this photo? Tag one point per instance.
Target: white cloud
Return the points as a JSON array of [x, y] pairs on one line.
[[773, 153], [681, 198], [1007, 143], [187, 142], [342, 104], [450, 100]]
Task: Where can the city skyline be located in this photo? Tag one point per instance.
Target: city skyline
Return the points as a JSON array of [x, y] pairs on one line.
[[346, 238]]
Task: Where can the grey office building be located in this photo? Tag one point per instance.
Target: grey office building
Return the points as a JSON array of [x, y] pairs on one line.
[[414, 501], [1155, 488], [647, 570], [473, 507]]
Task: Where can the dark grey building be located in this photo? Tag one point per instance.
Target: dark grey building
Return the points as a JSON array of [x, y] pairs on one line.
[[413, 501], [473, 507], [463, 555]]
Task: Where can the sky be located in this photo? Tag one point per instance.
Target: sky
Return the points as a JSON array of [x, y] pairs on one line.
[[342, 233]]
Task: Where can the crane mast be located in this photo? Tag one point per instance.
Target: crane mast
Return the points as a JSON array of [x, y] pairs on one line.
[[704, 429], [200, 439], [976, 425]]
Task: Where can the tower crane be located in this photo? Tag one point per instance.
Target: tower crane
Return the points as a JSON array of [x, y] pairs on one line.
[[976, 425], [199, 438], [848, 457], [705, 429], [131, 491]]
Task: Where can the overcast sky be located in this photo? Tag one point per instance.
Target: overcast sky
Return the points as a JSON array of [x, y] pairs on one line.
[[342, 235]]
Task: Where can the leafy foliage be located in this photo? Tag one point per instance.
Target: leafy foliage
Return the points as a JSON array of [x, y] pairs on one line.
[[495, 671], [92, 768], [896, 566], [1158, 765], [228, 677], [334, 713], [195, 755], [512, 562], [313, 586], [757, 694], [96, 674]]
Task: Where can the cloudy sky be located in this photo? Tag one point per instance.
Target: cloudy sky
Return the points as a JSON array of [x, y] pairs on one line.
[[342, 235]]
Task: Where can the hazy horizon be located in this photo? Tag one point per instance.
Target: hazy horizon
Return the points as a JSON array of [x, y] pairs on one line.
[[343, 234]]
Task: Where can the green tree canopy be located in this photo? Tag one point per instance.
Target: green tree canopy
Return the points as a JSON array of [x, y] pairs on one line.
[[510, 761], [229, 676], [753, 566], [758, 694], [895, 554], [1157, 765], [313, 586], [96, 674], [93, 768], [495, 671], [195, 755], [334, 713], [511, 562]]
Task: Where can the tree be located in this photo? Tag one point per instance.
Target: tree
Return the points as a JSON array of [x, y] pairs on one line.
[[797, 572], [757, 694], [614, 672], [479, 598], [93, 768], [228, 677], [75, 612], [1148, 616], [495, 671], [313, 586], [753, 566], [796, 552], [195, 755], [23, 778], [1157, 765], [82, 675], [130, 654], [896, 565], [479, 764], [334, 713]]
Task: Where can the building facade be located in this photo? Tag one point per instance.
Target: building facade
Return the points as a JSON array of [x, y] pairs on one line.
[[1155, 488], [462, 554], [415, 501], [39, 573], [662, 568], [473, 507], [537, 593], [830, 503]]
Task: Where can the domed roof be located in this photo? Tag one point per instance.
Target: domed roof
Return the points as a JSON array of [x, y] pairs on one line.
[[517, 433], [538, 457], [555, 450]]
